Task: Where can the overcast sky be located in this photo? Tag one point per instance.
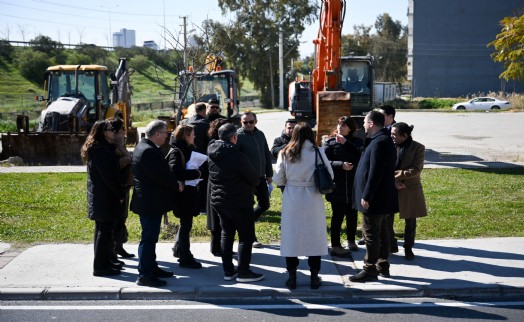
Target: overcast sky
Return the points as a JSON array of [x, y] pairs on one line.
[[91, 21]]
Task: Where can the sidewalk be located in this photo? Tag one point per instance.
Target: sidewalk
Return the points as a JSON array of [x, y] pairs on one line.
[[442, 268]]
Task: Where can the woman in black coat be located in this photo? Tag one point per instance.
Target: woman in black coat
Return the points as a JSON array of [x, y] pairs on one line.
[[185, 203], [343, 150], [105, 194], [213, 221]]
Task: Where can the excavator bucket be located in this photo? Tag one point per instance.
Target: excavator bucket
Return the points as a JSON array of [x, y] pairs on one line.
[[331, 105], [43, 148]]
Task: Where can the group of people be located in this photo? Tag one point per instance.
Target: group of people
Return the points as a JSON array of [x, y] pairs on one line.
[[378, 176]]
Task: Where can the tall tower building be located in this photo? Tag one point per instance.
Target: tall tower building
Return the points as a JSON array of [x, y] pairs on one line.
[[124, 38]]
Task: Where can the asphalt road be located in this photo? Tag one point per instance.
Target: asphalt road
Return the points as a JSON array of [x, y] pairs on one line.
[[407, 310], [448, 137]]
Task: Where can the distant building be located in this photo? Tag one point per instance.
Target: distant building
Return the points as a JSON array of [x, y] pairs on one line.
[[448, 54], [124, 38], [150, 44]]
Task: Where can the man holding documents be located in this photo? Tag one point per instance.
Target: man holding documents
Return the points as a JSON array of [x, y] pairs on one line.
[[184, 163]]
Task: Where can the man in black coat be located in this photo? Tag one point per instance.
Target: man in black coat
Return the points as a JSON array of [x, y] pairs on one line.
[[154, 187], [200, 124], [374, 195], [233, 180], [280, 142]]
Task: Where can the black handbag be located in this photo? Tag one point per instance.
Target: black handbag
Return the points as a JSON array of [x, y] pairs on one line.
[[322, 176]]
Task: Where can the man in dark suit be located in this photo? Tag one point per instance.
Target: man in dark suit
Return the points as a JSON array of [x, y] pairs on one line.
[[374, 195], [154, 186]]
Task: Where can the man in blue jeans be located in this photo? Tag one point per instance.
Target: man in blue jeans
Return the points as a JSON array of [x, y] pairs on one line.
[[154, 186], [253, 143]]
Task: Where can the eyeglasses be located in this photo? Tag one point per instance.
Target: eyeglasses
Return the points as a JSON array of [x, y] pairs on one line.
[[111, 130], [248, 122], [214, 106]]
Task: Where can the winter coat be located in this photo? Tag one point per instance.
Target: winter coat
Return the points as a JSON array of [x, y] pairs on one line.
[[105, 192], [186, 203], [254, 145], [375, 176], [303, 224], [154, 182], [232, 177], [411, 201], [337, 154], [278, 144], [200, 125]]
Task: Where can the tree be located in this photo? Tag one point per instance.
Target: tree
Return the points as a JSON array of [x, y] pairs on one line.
[[389, 46], [358, 44], [32, 65], [509, 46], [6, 49], [257, 24], [49, 47]]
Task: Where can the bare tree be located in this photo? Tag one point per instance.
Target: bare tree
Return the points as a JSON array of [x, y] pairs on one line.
[[80, 34], [23, 30]]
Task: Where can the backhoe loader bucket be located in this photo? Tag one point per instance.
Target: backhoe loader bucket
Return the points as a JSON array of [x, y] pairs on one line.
[[43, 148]]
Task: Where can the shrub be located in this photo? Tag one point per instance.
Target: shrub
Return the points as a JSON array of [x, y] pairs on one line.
[[140, 63], [32, 65]]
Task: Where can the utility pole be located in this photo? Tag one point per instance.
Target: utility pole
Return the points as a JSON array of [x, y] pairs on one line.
[[185, 42], [281, 67]]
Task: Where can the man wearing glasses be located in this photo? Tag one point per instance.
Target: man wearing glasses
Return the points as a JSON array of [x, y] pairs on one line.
[[252, 142], [154, 187], [213, 110]]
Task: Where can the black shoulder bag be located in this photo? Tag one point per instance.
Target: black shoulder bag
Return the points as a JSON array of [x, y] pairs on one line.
[[323, 179]]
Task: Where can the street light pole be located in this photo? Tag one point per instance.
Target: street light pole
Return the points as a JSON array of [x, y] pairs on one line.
[[110, 39]]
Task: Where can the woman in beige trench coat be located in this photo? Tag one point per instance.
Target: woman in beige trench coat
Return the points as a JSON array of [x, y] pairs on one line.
[[411, 201]]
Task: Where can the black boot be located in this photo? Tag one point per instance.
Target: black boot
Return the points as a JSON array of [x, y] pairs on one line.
[[315, 280], [291, 282], [176, 250]]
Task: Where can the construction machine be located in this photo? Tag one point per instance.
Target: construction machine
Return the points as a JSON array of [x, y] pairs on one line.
[[75, 97], [192, 87], [339, 85]]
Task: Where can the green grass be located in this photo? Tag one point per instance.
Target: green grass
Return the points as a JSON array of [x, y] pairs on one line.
[[51, 207]]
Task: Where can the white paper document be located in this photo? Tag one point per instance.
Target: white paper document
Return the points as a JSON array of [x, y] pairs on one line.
[[195, 161]]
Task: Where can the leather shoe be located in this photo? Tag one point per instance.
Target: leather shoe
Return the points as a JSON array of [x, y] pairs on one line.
[[384, 273], [361, 241], [152, 281], [363, 277], [158, 272], [115, 265], [122, 252], [190, 264], [106, 272], [353, 247]]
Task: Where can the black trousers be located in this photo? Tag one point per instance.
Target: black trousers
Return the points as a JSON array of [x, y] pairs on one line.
[[103, 242], [313, 262], [235, 220], [342, 210], [377, 243], [183, 238], [410, 230]]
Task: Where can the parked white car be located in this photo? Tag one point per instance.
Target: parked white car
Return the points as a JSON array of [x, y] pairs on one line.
[[482, 104]]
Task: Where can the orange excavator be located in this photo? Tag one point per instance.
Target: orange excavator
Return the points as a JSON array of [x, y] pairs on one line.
[[340, 85]]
